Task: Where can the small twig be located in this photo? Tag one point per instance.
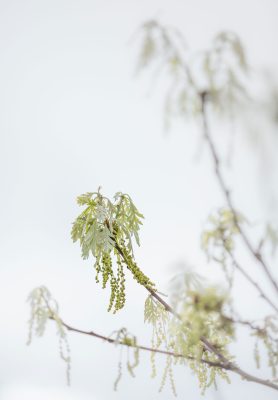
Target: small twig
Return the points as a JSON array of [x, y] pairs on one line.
[[252, 281], [260, 331]]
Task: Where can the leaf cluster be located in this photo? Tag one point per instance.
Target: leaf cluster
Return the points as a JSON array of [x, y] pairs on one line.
[[105, 230]]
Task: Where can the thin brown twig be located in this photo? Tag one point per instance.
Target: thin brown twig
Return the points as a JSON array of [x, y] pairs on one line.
[[252, 281], [255, 253], [259, 330], [140, 347]]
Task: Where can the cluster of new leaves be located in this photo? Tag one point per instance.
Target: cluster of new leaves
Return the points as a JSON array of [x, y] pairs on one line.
[[217, 239], [224, 66], [223, 226], [218, 71], [105, 229], [126, 339], [43, 308], [200, 315], [182, 283]]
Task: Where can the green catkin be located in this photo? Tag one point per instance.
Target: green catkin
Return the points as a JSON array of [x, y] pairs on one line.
[[131, 367], [113, 287], [120, 294], [153, 365], [136, 358], [172, 382], [107, 270], [165, 373], [98, 270], [138, 275], [122, 286], [119, 376], [272, 356], [64, 352], [257, 354]]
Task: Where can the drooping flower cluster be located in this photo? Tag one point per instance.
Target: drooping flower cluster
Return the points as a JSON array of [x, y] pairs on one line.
[[43, 308], [106, 229], [200, 315], [128, 340]]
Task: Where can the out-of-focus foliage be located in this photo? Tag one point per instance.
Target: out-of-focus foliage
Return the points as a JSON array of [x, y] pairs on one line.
[[221, 231], [219, 71], [267, 339], [181, 283], [200, 315], [218, 239], [44, 307]]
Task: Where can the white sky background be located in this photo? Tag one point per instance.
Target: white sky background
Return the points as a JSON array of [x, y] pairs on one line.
[[73, 117]]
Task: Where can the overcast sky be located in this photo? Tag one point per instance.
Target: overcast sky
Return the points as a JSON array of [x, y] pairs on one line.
[[74, 117]]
